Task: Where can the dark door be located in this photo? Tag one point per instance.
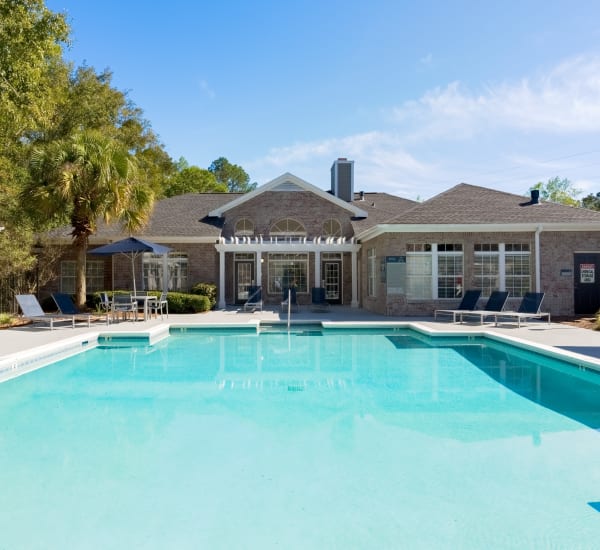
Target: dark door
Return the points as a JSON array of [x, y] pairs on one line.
[[331, 273], [244, 278], [587, 282]]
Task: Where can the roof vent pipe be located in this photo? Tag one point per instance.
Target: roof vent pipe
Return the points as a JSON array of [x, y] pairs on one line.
[[535, 196], [362, 195]]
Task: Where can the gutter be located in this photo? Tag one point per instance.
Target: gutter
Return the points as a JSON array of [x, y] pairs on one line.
[[538, 277]]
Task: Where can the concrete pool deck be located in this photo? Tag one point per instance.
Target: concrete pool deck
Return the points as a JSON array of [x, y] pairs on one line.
[[575, 344]]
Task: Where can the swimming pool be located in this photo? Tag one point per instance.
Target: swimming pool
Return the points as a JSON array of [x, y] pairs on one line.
[[301, 439]]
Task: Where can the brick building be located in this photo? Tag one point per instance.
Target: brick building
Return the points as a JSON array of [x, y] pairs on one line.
[[372, 250]]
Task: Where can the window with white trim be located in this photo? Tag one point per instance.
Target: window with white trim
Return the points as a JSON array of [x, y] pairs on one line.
[[332, 228], [371, 272], [486, 268], [177, 267], [517, 269], [244, 228], [94, 276], [286, 270], [502, 266], [288, 228], [434, 270]]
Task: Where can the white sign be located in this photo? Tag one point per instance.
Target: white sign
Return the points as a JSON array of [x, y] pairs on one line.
[[587, 273]]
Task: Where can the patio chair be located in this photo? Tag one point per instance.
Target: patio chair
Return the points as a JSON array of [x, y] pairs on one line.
[[468, 303], [254, 300], [159, 304], [495, 303], [289, 293], [528, 309], [318, 302], [66, 306], [124, 304], [31, 309]]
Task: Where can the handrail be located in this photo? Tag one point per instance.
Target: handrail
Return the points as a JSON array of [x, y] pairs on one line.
[[289, 304]]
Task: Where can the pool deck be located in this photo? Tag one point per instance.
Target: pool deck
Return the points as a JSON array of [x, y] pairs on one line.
[[575, 344]]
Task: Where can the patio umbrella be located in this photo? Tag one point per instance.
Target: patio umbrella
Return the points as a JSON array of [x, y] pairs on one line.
[[131, 247]]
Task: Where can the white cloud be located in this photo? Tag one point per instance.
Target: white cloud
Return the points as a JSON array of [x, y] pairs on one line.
[[563, 101], [507, 136]]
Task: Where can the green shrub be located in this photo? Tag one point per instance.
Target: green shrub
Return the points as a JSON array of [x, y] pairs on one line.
[[206, 289], [180, 302]]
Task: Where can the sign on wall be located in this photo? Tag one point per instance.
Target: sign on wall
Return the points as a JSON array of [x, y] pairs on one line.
[[396, 274], [587, 273]]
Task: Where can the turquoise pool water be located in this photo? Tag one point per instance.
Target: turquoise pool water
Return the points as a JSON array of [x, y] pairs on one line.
[[309, 439]]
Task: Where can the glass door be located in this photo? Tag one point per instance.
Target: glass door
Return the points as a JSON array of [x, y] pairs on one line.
[[331, 276], [244, 278]]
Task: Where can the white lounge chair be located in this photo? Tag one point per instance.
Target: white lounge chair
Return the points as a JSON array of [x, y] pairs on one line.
[[528, 309], [31, 309]]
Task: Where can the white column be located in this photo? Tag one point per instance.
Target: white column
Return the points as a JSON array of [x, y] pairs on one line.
[[221, 279], [318, 269], [258, 268], [538, 262], [165, 267], [354, 279]]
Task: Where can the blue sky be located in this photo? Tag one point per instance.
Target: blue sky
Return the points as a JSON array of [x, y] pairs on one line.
[[421, 95]]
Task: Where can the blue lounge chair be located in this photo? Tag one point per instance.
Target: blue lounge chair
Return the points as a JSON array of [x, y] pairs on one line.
[[31, 309], [468, 303], [65, 305], [319, 302], [254, 300], [495, 303], [528, 309]]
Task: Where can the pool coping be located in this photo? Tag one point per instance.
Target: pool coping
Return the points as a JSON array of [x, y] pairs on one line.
[[22, 362]]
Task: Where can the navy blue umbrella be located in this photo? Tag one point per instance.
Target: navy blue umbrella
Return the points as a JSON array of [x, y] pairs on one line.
[[131, 247]]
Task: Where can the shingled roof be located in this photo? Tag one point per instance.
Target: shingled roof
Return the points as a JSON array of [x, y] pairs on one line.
[[379, 207], [470, 204]]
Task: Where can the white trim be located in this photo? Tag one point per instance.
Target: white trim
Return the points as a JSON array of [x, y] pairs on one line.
[[381, 229], [287, 178]]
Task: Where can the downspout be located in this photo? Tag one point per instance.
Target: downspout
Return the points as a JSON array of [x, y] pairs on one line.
[[538, 276]]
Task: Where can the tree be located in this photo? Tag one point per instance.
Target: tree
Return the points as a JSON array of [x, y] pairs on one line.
[[558, 190], [591, 201], [191, 179], [86, 177], [233, 176]]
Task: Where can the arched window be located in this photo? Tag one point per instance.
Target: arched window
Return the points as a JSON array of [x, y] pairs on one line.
[[244, 228], [332, 228], [288, 228]]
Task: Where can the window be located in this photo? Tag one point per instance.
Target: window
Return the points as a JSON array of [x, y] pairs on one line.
[[371, 272], [486, 268], [500, 266], [517, 269], [287, 270], [450, 270], [94, 276], [419, 271], [244, 228], [434, 270], [288, 228], [153, 267], [332, 228]]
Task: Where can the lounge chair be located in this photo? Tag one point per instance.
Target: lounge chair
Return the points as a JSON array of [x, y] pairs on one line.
[[319, 303], [65, 305], [31, 309], [159, 304], [291, 294], [468, 303], [254, 300], [529, 309], [494, 304]]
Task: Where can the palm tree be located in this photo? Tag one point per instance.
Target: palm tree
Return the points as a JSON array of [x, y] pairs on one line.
[[84, 178]]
